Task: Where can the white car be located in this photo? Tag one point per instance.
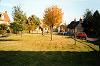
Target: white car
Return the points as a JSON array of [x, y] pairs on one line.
[[92, 39]]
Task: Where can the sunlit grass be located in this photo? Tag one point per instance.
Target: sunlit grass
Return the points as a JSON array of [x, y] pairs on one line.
[[38, 42]]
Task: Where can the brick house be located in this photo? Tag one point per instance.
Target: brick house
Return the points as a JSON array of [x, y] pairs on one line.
[[4, 18]]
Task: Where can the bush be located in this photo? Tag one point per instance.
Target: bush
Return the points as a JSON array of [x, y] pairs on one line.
[[4, 29]]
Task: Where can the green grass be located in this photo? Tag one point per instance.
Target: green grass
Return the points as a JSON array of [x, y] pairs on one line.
[[38, 42], [48, 58], [38, 50]]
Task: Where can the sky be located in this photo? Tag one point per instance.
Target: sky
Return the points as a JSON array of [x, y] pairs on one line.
[[71, 8]]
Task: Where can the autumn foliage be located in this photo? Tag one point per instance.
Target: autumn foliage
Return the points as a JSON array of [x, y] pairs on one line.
[[53, 17]]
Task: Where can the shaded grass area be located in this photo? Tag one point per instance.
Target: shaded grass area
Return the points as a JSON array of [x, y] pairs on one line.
[[84, 42], [9, 40], [48, 58]]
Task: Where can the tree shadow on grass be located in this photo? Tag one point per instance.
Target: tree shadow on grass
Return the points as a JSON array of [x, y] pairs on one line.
[[84, 42], [48, 58], [9, 40]]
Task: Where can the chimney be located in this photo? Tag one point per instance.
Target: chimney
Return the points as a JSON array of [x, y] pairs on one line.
[[5, 11], [75, 20], [81, 20]]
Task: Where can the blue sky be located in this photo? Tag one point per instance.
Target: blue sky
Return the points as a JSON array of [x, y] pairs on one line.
[[71, 8]]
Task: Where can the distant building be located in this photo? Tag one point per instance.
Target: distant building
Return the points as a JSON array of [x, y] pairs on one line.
[[75, 26], [62, 28], [4, 18], [42, 27], [79, 27]]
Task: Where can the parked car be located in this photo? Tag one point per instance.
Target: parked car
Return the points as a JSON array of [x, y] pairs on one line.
[[68, 33], [81, 35], [61, 33], [92, 39]]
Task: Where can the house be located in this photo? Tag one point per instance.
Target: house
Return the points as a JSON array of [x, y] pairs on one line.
[[79, 27], [62, 28], [42, 28], [4, 18], [75, 26]]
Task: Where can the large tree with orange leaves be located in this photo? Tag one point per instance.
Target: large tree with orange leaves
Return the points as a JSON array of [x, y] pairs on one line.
[[52, 17]]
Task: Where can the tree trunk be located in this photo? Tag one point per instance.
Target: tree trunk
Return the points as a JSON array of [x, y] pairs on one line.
[[29, 31], [42, 30], [21, 33], [51, 28], [75, 37]]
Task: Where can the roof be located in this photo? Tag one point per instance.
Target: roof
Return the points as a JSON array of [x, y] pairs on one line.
[[73, 24]]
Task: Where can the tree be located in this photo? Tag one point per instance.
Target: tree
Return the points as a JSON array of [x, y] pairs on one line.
[[14, 27], [52, 17], [32, 23], [88, 23], [91, 23], [96, 19], [3, 29], [19, 19]]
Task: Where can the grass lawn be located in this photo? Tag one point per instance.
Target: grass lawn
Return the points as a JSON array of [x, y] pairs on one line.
[[48, 58], [37, 42], [38, 50]]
